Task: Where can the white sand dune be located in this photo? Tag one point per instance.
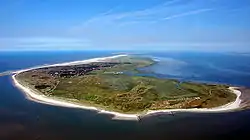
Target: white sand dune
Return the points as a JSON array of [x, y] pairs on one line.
[[34, 96]]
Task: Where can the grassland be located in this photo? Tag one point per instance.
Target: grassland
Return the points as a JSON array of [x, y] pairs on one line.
[[112, 89]]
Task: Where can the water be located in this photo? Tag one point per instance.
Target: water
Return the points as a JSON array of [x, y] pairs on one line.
[[24, 119], [226, 68]]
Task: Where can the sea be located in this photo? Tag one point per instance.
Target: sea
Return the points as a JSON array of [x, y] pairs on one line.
[[22, 119]]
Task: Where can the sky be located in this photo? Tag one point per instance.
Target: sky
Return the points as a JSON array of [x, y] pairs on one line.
[[179, 25]]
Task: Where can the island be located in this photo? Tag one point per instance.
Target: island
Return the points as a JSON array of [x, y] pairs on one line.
[[116, 84]]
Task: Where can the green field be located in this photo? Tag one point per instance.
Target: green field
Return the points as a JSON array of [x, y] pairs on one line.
[[132, 94], [111, 89]]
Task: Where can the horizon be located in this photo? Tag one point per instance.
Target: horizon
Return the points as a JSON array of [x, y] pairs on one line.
[[152, 25], [117, 52]]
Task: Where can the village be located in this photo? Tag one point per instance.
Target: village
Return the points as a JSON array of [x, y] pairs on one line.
[[76, 70]]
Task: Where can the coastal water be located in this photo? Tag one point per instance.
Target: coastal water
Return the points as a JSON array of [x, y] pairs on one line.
[[226, 68], [24, 119]]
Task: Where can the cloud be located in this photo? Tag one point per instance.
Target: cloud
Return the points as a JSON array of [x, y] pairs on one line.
[[111, 27], [142, 15], [158, 13], [187, 14], [41, 43]]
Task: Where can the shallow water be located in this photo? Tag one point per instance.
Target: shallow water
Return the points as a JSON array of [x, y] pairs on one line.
[[24, 119], [225, 68]]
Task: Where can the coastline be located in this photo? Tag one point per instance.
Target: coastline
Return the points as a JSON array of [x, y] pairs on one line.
[[34, 96]]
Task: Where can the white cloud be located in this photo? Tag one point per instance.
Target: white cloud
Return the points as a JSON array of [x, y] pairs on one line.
[[40, 43], [142, 15], [187, 13]]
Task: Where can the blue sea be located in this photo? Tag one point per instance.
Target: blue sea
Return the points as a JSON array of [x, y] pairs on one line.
[[21, 119]]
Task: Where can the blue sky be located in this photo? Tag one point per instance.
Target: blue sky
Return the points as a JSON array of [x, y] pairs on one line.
[[200, 25]]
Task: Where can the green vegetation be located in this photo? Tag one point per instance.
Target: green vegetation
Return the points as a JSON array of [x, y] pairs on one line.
[[111, 89], [132, 93], [127, 63]]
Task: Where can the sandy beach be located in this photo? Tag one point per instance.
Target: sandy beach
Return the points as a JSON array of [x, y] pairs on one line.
[[34, 96], [226, 107]]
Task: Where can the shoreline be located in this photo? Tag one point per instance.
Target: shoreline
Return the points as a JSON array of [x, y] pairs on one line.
[[34, 96]]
